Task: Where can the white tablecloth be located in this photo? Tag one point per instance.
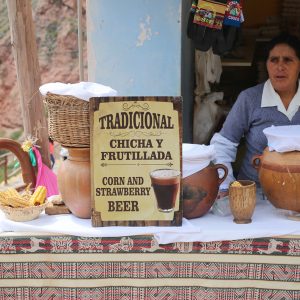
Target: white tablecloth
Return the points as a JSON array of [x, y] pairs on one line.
[[266, 222]]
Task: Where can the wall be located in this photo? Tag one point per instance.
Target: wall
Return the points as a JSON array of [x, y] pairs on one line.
[[140, 48]]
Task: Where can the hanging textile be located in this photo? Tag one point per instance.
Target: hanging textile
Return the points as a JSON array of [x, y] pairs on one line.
[[210, 14], [208, 69], [225, 40], [233, 13], [45, 176], [211, 31]]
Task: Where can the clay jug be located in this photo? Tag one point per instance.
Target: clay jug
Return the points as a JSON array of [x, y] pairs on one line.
[[279, 176], [74, 180], [200, 190]]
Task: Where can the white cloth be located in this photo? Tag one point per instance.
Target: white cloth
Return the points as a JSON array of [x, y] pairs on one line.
[[82, 90], [266, 222], [207, 115], [64, 152], [225, 154], [271, 98], [214, 67], [208, 69], [195, 158], [283, 138]]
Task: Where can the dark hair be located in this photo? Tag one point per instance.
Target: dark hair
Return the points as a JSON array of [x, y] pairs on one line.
[[284, 38]]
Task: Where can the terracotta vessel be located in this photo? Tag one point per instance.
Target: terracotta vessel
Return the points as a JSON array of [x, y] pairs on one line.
[[279, 176], [200, 190], [74, 179], [242, 200]]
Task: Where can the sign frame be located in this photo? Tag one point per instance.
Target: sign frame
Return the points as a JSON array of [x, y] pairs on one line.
[[95, 109]]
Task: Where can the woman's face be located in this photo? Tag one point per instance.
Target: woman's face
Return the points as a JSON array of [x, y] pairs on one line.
[[283, 67]]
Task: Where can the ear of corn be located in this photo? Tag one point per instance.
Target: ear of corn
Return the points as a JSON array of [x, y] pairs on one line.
[[12, 198], [39, 196], [11, 192], [18, 202], [236, 183], [4, 200]]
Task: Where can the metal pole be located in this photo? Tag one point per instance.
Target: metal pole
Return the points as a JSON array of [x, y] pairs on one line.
[[80, 42]]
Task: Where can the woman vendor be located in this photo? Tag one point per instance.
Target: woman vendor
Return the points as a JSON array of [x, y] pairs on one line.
[[274, 102]]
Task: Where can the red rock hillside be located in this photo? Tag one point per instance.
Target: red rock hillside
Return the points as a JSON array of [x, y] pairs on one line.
[[56, 32]]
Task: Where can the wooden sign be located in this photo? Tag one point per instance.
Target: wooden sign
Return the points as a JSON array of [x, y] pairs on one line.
[[136, 161]]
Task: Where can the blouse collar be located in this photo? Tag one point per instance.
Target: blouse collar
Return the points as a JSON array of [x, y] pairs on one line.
[[271, 98]]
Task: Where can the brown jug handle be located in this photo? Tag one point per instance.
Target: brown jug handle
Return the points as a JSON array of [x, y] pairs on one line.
[[256, 161], [28, 172], [224, 168]]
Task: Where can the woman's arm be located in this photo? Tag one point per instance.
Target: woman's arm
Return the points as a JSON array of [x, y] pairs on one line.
[[225, 154], [234, 128]]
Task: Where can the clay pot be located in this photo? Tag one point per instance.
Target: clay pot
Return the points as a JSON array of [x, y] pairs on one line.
[[74, 180], [279, 176], [242, 200], [200, 190]]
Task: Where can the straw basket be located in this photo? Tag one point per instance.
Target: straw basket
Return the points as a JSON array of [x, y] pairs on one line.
[[23, 214], [69, 121]]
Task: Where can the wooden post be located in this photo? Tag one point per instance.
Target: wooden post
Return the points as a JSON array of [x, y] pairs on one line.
[[80, 41], [28, 74]]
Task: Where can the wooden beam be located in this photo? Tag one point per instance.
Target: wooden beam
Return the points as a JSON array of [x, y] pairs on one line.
[[80, 41], [24, 49]]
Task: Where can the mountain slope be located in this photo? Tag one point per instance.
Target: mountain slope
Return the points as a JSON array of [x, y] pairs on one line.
[[56, 34]]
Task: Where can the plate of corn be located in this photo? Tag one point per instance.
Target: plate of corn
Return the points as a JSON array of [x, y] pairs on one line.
[[25, 206]]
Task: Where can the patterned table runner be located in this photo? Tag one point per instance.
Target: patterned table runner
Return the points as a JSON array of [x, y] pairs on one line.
[[70, 267]]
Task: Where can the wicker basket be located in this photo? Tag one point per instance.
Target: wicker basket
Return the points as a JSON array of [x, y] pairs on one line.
[[69, 120], [23, 214]]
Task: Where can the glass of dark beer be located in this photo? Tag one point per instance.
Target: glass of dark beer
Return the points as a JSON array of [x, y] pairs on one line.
[[165, 183]]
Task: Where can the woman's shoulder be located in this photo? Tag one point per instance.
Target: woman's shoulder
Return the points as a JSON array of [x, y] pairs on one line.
[[251, 96], [254, 91]]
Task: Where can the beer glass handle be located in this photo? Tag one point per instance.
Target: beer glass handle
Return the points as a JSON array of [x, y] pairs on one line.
[[225, 170]]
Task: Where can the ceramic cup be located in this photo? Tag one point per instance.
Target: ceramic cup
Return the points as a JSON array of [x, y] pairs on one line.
[[242, 200]]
